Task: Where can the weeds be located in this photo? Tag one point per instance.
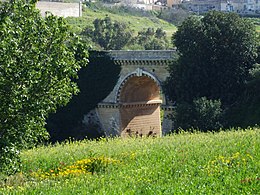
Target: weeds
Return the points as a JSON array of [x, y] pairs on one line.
[[184, 163]]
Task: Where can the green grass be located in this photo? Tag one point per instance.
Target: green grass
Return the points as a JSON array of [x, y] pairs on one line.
[[198, 163], [258, 28], [256, 22]]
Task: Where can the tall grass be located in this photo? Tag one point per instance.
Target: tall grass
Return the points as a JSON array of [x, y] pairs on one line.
[[186, 163]]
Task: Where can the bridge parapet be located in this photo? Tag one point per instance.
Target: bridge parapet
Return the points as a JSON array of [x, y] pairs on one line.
[[149, 55]]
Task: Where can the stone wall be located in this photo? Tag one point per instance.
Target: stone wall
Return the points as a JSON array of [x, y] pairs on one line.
[[110, 118], [60, 9]]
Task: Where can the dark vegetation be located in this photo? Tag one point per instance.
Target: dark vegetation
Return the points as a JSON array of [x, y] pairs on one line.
[[246, 111], [215, 67], [95, 81], [175, 16]]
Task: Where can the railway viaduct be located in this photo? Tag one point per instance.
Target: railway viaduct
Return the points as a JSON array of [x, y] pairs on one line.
[[137, 105]]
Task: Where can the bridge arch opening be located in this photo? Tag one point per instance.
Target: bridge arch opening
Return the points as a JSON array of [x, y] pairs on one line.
[[139, 89], [140, 101]]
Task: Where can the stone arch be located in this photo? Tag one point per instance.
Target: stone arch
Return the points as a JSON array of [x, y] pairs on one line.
[[140, 99], [137, 73], [139, 89]]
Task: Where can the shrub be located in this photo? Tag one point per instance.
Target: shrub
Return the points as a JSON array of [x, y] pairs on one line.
[[202, 114]]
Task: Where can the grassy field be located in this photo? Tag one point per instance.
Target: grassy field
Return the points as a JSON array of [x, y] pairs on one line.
[[187, 163]]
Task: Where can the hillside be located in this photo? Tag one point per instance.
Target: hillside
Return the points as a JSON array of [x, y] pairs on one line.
[[137, 20], [185, 163]]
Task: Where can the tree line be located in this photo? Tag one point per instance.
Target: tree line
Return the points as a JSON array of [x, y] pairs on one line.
[[216, 70], [113, 35]]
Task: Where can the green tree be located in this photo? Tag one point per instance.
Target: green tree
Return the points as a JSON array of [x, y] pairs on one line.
[[215, 54], [203, 114], [110, 35], [175, 16], [152, 39], [38, 59]]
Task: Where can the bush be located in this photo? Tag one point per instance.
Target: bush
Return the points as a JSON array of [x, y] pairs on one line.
[[152, 39], [9, 159], [208, 114], [174, 16], [202, 114], [110, 35]]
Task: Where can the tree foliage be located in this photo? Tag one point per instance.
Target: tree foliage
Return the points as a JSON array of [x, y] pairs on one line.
[[215, 54], [175, 16], [152, 39], [110, 35], [202, 114], [38, 58]]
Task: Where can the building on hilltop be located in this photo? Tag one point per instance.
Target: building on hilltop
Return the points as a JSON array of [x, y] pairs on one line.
[[241, 6], [60, 9], [251, 7], [232, 5], [202, 6], [173, 3], [145, 4]]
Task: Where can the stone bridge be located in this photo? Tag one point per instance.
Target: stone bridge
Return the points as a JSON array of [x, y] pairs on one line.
[[137, 103]]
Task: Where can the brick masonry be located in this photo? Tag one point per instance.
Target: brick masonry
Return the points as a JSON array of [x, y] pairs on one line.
[[140, 120]]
